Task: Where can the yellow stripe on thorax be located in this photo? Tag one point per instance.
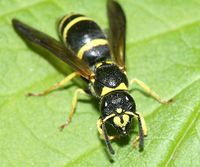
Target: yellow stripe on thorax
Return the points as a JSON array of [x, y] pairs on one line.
[[100, 64], [90, 45], [107, 90], [76, 20]]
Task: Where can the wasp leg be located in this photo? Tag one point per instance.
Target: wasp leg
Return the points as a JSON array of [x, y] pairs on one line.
[[107, 139], [74, 103], [142, 129], [57, 85], [150, 91], [99, 127]]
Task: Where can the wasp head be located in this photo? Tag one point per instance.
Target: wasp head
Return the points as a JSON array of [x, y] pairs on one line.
[[115, 109]]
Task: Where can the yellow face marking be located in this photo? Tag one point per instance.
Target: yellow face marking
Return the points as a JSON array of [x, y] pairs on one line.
[[117, 120], [125, 118], [119, 110], [90, 45], [107, 90], [76, 20]]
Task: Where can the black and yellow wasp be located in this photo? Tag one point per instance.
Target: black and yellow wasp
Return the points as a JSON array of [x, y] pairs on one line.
[[100, 62]]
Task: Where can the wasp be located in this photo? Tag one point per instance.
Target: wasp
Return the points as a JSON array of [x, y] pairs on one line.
[[100, 61]]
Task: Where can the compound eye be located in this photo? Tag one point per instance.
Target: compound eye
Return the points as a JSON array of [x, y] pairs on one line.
[[130, 104]]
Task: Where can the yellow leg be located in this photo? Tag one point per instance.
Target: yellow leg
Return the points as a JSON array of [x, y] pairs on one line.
[[74, 102], [143, 123], [99, 124], [149, 90], [135, 142], [142, 127], [59, 84]]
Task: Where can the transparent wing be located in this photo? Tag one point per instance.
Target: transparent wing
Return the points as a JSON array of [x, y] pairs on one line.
[[117, 26], [53, 46]]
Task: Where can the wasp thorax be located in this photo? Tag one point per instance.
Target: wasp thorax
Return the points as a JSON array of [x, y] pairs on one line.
[[116, 106]]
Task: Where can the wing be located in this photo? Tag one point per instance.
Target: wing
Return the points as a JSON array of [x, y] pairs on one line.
[[53, 46], [117, 23]]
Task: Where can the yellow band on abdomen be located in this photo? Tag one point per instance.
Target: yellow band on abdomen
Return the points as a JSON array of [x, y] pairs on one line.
[[90, 45], [76, 20]]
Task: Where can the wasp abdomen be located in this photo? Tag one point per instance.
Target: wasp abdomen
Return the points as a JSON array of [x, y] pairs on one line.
[[85, 38]]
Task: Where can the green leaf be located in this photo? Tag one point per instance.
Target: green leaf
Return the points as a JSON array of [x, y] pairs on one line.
[[163, 50]]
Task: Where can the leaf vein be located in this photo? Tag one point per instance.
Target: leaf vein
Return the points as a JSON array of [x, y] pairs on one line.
[[178, 143]]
